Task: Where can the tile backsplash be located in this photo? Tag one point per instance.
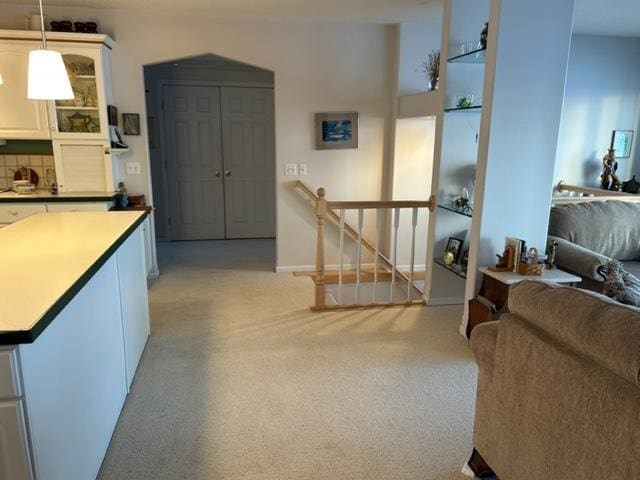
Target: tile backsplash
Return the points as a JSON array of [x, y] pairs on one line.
[[43, 165]]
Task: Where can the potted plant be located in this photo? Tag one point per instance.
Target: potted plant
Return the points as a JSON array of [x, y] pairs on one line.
[[432, 68]]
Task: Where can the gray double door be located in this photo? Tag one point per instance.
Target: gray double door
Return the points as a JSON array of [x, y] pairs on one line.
[[220, 156]]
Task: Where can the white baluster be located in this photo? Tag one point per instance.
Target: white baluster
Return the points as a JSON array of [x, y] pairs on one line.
[[341, 270], [394, 256], [414, 223], [359, 251], [379, 222]]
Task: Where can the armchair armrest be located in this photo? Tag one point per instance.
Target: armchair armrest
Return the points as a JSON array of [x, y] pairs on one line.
[[579, 260], [484, 338]]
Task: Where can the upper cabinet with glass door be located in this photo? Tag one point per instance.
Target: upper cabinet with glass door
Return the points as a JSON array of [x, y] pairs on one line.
[[84, 116]]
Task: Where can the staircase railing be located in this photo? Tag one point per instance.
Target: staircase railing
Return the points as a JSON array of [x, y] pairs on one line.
[[399, 285]]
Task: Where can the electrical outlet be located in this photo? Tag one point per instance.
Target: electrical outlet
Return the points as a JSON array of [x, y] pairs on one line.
[[302, 169], [291, 169], [133, 168]]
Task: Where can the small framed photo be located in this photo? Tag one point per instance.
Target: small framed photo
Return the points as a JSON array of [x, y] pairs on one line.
[[131, 123], [112, 114], [454, 247], [622, 141], [336, 130]]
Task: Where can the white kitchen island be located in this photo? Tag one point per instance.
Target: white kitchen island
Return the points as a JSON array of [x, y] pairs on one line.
[[74, 320]]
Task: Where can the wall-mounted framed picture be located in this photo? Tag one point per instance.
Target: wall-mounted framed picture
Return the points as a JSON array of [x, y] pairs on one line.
[[621, 141], [131, 123], [112, 114], [336, 131]]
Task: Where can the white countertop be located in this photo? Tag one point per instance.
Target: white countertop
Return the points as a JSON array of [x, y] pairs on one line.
[[46, 254], [47, 196], [555, 275]]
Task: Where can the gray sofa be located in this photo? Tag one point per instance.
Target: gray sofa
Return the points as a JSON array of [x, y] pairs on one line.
[[558, 387], [590, 234]]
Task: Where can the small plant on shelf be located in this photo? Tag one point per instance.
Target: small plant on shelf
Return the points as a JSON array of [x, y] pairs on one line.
[[432, 68]]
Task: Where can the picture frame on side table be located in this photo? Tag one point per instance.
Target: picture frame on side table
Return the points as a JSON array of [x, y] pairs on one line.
[[334, 131], [621, 142], [131, 123]]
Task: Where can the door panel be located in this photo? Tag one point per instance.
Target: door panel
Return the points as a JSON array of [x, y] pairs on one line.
[[249, 157], [194, 155]]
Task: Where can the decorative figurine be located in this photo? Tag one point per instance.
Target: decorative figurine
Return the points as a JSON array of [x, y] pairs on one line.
[[609, 180], [484, 35], [462, 203], [551, 255]]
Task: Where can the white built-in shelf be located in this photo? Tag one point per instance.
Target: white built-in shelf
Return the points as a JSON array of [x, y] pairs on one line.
[[476, 56], [82, 76], [425, 104], [455, 268], [471, 109], [120, 151], [60, 107], [453, 209]]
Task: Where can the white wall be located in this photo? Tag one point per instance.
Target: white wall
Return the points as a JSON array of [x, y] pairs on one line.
[[318, 67], [602, 95], [413, 164], [417, 40]]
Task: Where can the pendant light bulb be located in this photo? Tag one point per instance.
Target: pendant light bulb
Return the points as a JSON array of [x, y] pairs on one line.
[[47, 79], [1, 82]]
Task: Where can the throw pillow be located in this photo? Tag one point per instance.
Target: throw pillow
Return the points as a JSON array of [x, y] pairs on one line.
[[620, 285]]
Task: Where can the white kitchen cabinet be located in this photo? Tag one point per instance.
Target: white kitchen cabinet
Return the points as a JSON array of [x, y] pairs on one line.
[[9, 383], [84, 165], [85, 116], [14, 212], [79, 207], [15, 463], [20, 118]]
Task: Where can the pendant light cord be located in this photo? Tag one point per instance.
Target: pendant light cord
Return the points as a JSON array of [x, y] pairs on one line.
[[44, 37]]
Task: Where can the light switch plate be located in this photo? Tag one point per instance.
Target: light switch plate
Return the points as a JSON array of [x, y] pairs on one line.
[[290, 169], [133, 168], [302, 169]]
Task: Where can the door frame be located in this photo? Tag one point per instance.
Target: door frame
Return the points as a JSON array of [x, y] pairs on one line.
[[159, 87]]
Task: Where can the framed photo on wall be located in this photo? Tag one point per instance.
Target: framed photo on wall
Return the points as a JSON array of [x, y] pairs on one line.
[[622, 141], [131, 123], [336, 131]]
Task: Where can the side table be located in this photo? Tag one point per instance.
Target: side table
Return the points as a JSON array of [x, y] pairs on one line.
[[494, 294]]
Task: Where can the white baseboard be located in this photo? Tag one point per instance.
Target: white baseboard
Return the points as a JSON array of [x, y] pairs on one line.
[[440, 302]]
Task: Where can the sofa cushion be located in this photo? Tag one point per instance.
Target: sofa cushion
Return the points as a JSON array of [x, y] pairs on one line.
[[610, 228], [591, 324]]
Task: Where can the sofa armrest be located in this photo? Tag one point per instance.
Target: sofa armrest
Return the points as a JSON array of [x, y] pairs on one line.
[[484, 338], [579, 260]]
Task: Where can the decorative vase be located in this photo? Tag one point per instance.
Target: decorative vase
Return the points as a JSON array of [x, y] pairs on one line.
[[433, 84]]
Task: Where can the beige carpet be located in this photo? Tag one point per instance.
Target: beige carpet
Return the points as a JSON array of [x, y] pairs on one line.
[[241, 381]]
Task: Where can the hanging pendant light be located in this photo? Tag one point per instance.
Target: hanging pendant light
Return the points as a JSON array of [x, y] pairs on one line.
[[47, 79]]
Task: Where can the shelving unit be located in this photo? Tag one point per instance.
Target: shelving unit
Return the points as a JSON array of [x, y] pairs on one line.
[[485, 150], [454, 210]]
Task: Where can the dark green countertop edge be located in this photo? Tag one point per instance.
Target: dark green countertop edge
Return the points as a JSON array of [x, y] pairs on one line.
[[52, 199], [30, 336]]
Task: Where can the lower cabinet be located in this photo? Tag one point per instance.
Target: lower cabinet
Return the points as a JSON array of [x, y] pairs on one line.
[[15, 462], [61, 396]]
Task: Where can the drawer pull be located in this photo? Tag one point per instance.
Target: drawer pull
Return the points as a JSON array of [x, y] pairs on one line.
[[13, 212]]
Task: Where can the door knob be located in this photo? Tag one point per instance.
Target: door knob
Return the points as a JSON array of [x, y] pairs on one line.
[[227, 173], [218, 174]]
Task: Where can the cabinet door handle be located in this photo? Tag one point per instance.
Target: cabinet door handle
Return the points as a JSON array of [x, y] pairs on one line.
[[13, 212], [227, 173], [218, 174]]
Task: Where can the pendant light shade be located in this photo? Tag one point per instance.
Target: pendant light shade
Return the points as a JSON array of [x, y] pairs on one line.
[[48, 79], [1, 82]]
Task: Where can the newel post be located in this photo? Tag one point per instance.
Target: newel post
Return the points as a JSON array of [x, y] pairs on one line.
[[321, 215]]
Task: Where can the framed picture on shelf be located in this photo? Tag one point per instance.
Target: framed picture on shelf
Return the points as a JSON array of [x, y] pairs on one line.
[[453, 250], [131, 123], [621, 142], [335, 131]]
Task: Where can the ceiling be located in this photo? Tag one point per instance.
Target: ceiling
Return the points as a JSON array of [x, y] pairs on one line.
[[601, 17]]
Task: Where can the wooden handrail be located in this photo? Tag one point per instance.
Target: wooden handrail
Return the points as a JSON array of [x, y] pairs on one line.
[[354, 234], [596, 192], [370, 205]]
